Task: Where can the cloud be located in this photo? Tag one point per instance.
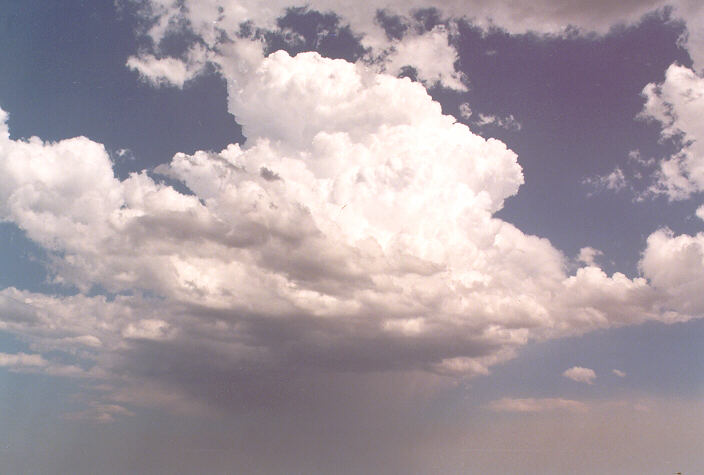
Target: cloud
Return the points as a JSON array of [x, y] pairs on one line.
[[587, 255], [412, 33], [35, 363], [545, 16], [325, 246], [168, 70], [579, 374], [692, 13], [536, 405], [21, 360], [614, 181], [676, 104], [676, 263], [509, 122], [98, 412], [619, 373], [344, 262], [149, 329], [124, 155], [430, 54], [465, 110]]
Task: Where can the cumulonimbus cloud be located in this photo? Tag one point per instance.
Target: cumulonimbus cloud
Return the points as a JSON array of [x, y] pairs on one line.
[[353, 231], [362, 237]]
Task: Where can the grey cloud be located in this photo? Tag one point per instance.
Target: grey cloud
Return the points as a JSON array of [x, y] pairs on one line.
[[268, 175]]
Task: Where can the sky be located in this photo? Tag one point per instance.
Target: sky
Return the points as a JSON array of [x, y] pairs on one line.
[[351, 237]]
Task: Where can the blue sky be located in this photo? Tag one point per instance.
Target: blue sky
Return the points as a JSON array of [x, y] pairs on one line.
[[362, 282]]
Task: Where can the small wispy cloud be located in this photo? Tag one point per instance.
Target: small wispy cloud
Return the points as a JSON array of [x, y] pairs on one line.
[[619, 373], [124, 154], [637, 175], [99, 412], [536, 405], [36, 363], [614, 181], [465, 110], [580, 374], [508, 122]]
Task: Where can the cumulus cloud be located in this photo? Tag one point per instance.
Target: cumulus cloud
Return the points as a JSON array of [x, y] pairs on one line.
[[676, 104], [345, 261], [677, 262], [588, 255], [619, 373], [581, 375], [536, 405], [430, 54], [361, 239]]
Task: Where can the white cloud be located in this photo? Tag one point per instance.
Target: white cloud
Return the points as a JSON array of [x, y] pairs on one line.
[[330, 243], [124, 154], [544, 16], [588, 255], [351, 239], [530, 405], [614, 181], [676, 263], [465, 110], [579, 374], [676, 104], [169, 70], [635, 157], [431, 54], [619, 373], [509, 122], [700, 212]]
